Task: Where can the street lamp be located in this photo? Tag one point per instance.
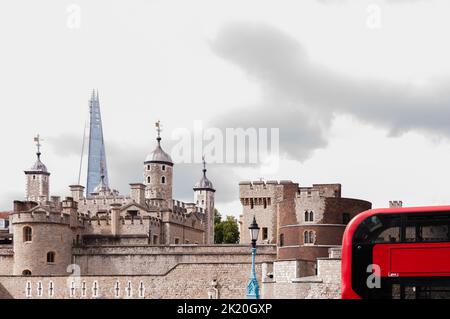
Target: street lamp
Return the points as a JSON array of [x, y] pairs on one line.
[[252, 286]]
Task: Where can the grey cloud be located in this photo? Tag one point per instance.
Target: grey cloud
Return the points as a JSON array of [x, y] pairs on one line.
[[301, 97], [66, 144]]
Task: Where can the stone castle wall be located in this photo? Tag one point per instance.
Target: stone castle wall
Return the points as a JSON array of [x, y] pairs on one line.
[[185, 281], [6, 260], [164, 272], [159, 260], [287, 285]]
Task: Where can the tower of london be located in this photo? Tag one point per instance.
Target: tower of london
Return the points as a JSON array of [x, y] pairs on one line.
[[46, 229]]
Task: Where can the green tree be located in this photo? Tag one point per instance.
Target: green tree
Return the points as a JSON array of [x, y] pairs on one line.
[[230, 230], [225, 231]]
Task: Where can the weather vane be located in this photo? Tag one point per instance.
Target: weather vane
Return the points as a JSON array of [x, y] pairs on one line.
[[158, 128], [204, 163], [38, 141]]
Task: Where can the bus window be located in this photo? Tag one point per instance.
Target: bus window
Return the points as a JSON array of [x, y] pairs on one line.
[[428, 228], [379, 229]]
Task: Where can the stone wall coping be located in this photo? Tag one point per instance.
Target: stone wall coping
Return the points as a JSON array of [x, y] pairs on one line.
[[310, 279], [136, 275], [186, 245]]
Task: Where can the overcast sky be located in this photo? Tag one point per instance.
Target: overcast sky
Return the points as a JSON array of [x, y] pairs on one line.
[[360, 90]]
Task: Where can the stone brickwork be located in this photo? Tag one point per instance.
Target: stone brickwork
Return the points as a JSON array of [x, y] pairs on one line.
[[260, 199], [158, 260], [160, 272], [284, 285]]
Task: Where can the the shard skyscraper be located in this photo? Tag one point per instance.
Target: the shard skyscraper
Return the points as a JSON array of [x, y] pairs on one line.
[[97, 156]]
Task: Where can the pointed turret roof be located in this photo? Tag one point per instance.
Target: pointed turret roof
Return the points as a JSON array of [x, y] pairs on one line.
[[38, 166], [158, 155], [204, 183]]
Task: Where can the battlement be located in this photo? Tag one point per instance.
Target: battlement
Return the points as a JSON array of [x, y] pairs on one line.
[[40, 216], [320, 190], [185, 208], [251, 184]]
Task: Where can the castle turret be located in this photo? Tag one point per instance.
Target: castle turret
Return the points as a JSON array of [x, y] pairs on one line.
[[158, 171], [43, 237], [204, 198], [38, 178]]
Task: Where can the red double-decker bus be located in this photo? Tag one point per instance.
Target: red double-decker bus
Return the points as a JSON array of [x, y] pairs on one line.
[[399, 253]]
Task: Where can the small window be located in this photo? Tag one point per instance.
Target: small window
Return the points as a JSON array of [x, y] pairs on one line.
[[177, 241], [163, 179], [34, 176], [251, 203], [163, 167], [51, 257], [311, 216], [308, 237], [148, 179], [27, 234], [155, 240], [265, 233], [26, 272], [306, 216], [281, 240], [265, 203], [148, 167]]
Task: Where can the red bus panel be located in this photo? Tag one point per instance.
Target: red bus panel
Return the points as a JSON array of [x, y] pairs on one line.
[[413, 260]]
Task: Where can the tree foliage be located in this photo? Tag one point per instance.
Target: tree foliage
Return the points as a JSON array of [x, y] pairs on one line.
[[225, 231]]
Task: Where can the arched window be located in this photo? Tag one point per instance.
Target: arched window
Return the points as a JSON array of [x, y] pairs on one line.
[[306, 216], [281, 240], [148, 179], [305, 237], [148, 167], [51, 257], [308, 237], [163, 179], [311, 216], [163, 167], [26, 272], [27, 233]]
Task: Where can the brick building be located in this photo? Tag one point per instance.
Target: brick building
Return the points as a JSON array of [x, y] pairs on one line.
[[304, 222]]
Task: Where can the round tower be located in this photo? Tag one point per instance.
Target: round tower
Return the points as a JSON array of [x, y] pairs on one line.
[[43, 231], [43, 239], [158, 172], [204, 198], [37, 178]]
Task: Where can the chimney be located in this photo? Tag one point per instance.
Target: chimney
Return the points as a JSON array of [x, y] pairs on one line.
[[77, 192], [395, 204], [138, 193], [70, 207], [115, 218]]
